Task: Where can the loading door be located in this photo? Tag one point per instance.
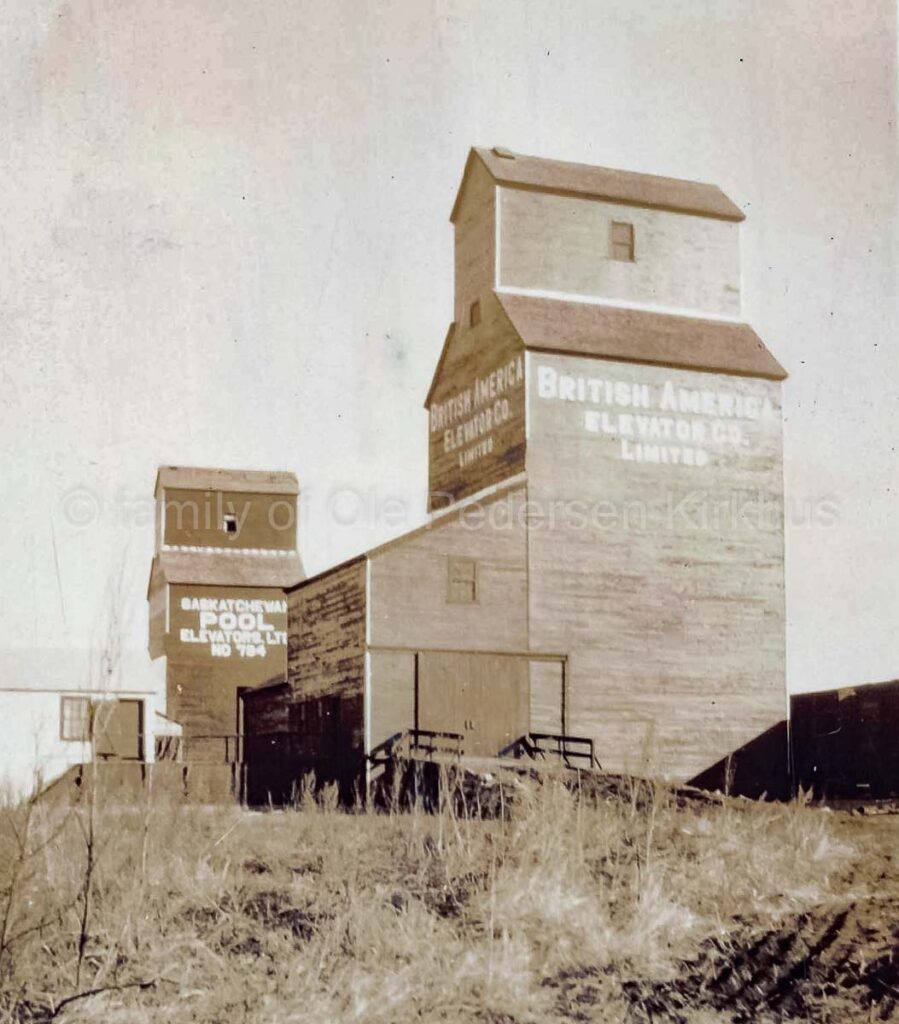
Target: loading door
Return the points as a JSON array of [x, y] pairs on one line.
[[483, 697], [118, 729]]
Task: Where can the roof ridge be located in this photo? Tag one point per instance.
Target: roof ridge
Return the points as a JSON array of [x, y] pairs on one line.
[[634, 188]]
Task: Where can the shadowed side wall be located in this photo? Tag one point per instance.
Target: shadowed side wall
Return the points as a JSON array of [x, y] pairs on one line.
[[475, 236], [476, 423], [326, 670]]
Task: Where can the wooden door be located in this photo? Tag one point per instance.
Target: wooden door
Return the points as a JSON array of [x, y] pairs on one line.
[[483, 697], [118, 729]]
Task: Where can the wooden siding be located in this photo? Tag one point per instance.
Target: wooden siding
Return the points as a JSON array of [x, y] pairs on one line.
[[194, 518], [201, 687], [483, 698], [546, 697], [560, 244], [267, 710], [203, 699], [156, 610], [484, 444], [241, 628], [392, 683], [326, 627], [409, 606], [290, 744], [475, 240], [663, 582]]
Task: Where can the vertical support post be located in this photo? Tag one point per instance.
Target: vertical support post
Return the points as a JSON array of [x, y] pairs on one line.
[[415, 699]]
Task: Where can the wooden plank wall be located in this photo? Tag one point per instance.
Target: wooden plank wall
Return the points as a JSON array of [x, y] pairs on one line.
[[561, 244], [326, 674], [392, 684], [457, 468], [409, 606], [663, 582], [475, 240], [546, 682], [156, 609], [201, 689], [326, 634], [194, 517], [410, 611], [484, 698], [267, 711]]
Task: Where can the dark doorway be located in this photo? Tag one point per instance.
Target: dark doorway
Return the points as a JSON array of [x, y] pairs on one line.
[[119, 729]]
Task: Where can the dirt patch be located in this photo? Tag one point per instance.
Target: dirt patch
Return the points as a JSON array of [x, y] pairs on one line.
[[274, 909], [840, 965]]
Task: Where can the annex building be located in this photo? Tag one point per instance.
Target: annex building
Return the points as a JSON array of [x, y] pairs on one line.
[[604, 559]]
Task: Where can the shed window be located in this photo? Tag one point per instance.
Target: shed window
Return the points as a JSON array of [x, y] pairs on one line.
[[229, 523], [474, 313], [621, 241], [462, 581], [75, 718]]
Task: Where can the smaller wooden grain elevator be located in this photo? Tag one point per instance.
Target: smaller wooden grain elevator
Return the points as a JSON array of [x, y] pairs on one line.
[[604, 555], [225, 549]]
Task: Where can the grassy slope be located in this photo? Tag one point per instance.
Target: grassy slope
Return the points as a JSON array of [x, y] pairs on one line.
[[568, 910]]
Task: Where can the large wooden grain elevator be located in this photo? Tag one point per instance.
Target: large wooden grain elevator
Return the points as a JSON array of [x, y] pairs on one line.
[[603, 564]]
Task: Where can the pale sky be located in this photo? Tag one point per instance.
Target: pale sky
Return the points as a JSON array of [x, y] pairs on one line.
[[226, 242]]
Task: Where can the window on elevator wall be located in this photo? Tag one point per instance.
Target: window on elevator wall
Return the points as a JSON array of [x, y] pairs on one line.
[[462, 581], [621, 241]]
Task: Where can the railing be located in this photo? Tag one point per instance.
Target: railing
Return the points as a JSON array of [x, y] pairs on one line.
[[538, 745], [430, 742], [216, 748], [427, 742], [169, 748]]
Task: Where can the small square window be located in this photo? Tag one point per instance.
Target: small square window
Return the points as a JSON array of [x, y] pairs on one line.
[[474, 313], [75, 718], [621, 241], [229, 523], [462, 581]]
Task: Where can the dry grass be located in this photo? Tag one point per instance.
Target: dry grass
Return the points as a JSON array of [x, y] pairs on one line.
[[564, 910]]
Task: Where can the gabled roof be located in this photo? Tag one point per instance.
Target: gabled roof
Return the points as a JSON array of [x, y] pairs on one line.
[[227, 569], [436, 520], [629, 187], [252, 481], [639, 336]]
